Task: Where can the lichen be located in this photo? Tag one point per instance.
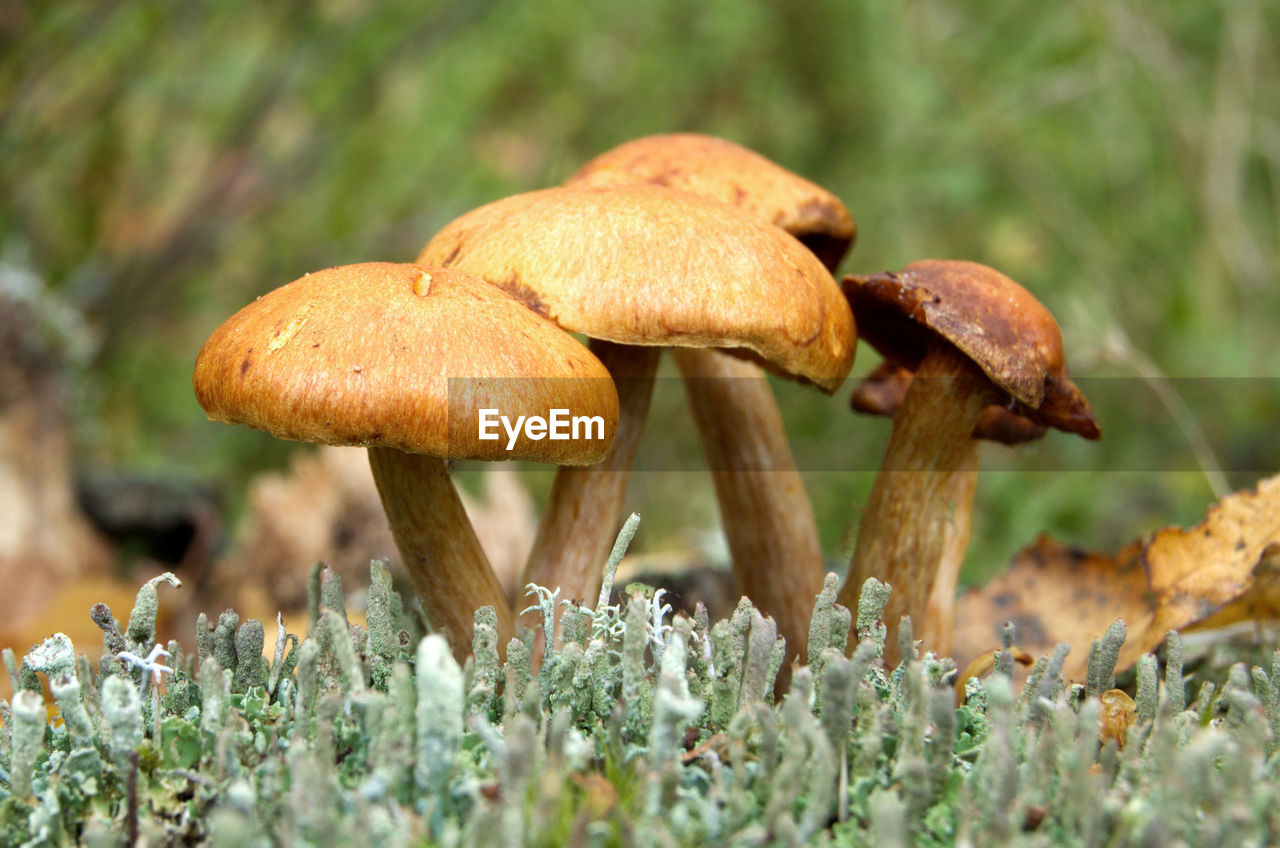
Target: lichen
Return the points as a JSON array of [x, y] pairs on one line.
[[642, 726]]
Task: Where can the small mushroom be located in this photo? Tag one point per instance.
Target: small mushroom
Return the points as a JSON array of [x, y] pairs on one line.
[[764, 509], [643, 266], [400, 359], [973, 338]]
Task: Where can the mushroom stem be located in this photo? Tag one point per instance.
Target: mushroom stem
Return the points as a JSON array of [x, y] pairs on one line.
[[911, 530], [446, 564], [768, 521], [939, 615], [580, 522]]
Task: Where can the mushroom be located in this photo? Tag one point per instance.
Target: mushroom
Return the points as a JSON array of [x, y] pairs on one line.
[[881, 392], [718, 168], [642, 267], [401, 359], [764, 509], [973, 338]]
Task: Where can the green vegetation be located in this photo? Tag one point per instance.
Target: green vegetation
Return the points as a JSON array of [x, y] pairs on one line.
[[162, 164], [639, 729]]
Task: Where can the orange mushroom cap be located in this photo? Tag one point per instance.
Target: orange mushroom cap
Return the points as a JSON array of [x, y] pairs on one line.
[[646, 265], [391, 355], [717, 168]]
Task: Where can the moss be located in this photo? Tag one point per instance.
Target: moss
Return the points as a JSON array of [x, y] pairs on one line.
[[641, 728]]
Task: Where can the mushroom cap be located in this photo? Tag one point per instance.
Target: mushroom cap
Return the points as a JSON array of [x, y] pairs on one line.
[[994, 321], [646, 265], [882, 390], [714, 167], [391, 355]]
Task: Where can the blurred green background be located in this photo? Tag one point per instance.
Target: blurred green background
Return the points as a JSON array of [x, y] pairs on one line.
[[163, 163]]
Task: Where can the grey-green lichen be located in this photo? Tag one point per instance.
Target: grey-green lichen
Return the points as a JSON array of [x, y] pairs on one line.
[[642, 727]]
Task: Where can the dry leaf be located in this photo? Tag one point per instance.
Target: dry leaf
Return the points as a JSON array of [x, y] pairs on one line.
[[1198, 571], [1054, 593], [1117, 716], [1259, 603], [984, 663], [1225, 565]]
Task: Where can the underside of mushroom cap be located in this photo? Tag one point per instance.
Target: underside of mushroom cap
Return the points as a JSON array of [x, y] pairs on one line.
[[718, 168], [997, 323], [646, 265], [402, 356], [881, 393]]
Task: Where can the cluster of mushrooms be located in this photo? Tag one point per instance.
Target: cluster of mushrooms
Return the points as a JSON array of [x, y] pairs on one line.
[[681, 241]]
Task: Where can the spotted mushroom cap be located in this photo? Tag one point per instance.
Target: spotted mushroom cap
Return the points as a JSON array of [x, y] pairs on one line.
[[715, 167], [646, 265], [402, 356], [994, 321]]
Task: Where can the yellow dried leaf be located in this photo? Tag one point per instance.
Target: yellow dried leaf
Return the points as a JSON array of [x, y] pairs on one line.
[[1117, 716], [984, 663], [1260, 603], [1224, 566]]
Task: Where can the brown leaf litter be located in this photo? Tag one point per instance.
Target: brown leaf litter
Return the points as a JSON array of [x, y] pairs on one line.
[[1223, 570]]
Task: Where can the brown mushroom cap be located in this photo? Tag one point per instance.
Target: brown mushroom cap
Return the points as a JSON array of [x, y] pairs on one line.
[[364, 355], [714, 167], [646, 265], [882, 390], [994, 321]]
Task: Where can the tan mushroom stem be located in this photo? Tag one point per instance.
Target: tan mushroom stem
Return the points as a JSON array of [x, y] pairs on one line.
[[767, 518], [584, 509], [939, 615], [906, 537], [448, 568]]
